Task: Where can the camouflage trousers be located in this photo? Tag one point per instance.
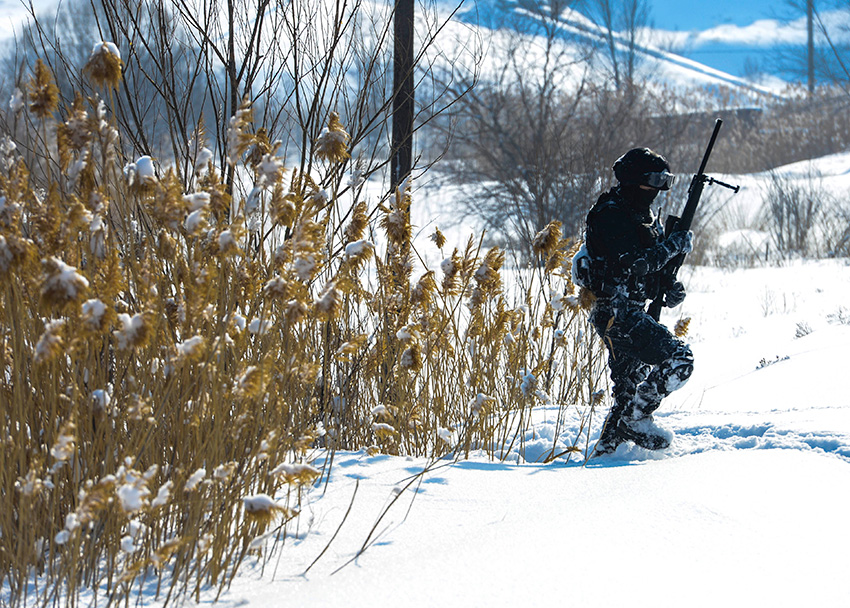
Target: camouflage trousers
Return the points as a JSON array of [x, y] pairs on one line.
[[646, 361]]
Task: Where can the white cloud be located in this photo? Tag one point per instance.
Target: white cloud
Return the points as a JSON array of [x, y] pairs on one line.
[[760, 33]]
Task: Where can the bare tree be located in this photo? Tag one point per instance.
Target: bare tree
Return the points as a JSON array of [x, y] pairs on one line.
[[622, 22], [536, 138], [188, 66], [511, 145]]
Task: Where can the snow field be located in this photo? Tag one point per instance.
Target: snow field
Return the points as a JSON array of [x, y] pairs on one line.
[[747, 508], [752, 528]]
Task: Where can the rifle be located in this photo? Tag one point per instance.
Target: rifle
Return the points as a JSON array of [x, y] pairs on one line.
[[674, 224]]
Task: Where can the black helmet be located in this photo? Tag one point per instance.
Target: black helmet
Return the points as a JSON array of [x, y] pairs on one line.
[[643, 167]]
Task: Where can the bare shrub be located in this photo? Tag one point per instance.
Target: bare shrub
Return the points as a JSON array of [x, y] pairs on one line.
[[792, 209], [803, 330], [835, 227], [841, 316]]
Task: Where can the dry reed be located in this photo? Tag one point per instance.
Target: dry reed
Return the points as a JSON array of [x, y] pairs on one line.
[[172, 362]]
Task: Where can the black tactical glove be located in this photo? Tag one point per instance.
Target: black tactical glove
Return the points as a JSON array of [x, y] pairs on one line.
[[682, 241], [675, 295]]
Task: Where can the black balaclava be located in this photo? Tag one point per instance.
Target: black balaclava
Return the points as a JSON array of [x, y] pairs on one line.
[[631, 169], [637, 197]]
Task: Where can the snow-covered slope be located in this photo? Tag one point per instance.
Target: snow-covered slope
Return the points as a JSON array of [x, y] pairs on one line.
[[734, 529], [657, 65]]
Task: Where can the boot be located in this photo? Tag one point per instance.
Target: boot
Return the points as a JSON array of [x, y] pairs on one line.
[[644, 432], [637, 423], [610, 437]]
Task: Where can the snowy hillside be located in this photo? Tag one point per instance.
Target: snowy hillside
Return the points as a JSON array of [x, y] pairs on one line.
[[657, 65]]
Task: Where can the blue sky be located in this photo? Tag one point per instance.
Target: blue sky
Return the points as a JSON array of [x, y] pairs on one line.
[[727, 50], [687, 16], [723, 34]]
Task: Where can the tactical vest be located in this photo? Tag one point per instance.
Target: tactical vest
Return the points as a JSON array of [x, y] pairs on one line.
[[605, 276]]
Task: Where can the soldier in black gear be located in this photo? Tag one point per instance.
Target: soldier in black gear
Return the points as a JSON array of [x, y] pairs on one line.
[[625, 250]]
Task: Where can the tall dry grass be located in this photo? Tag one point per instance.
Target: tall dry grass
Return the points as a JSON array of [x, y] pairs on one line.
[[173, 362]]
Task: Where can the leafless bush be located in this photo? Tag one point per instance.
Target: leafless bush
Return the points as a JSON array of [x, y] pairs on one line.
[[803, 330], [835, 227], [840, 316], [775, 132], [792, 211]]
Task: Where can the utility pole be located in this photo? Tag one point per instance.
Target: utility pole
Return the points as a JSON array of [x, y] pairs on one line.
[[402, 141], [401, 161], [810, 49]]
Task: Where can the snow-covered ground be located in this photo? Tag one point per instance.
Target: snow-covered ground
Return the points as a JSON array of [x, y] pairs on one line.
[[746, 508]]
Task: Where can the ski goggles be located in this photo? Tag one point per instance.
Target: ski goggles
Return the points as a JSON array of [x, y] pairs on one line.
[[662, 180]]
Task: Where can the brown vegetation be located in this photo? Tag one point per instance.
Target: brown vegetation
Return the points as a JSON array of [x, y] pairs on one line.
[[174, 360]]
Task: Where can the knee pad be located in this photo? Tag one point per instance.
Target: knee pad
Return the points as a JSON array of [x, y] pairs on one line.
[[679, 368]]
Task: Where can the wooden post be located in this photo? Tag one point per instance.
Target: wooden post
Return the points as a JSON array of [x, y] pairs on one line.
[[810, 47], [403, 110]]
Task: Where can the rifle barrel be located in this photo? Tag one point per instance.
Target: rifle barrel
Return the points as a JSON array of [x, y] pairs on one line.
[[684, 223], [717, 124]]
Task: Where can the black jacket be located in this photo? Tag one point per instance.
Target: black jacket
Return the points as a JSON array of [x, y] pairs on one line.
[[626, 242]]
